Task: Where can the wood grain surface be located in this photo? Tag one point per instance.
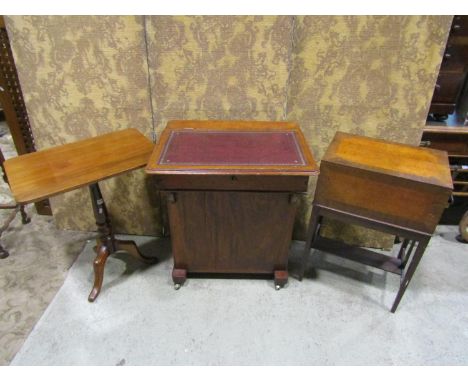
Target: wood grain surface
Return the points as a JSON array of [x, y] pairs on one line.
[[393, 183], [231, 232], [395, 159], [64, 168]]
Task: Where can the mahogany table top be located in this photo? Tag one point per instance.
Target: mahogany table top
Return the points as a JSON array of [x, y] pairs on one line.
[[226, 147], [50, 172]]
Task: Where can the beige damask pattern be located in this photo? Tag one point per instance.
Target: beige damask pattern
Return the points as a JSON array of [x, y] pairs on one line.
[[368, 75], [82, 76], [218, 67]]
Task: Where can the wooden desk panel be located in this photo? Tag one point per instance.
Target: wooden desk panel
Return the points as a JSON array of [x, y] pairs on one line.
[[270, 183], [402, 203], [398, 184], [231, 232]]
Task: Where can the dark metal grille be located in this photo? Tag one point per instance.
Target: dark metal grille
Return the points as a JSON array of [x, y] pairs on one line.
[[14, 108], [12, 99]]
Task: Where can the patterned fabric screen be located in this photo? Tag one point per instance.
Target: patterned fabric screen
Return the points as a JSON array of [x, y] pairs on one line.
[[83, 76]]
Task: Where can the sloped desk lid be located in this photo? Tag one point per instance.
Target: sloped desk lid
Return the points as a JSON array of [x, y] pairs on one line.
[[418, 164], [226, 147]]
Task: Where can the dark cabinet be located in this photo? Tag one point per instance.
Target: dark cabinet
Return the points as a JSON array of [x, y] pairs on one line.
[[453, 70]]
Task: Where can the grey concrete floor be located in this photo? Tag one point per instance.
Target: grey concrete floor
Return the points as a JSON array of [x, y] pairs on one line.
[[339, 317]]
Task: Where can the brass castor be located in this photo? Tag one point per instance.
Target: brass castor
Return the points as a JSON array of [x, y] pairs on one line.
[[280, 278], [179, 275]]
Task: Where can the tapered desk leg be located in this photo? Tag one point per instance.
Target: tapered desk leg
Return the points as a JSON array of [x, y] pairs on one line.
[[311, 235], [401, 253], [422, 244], [107, 244]]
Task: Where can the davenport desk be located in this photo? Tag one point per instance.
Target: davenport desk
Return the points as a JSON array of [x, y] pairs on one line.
[[231, 187], [53, 171], [390, 187]]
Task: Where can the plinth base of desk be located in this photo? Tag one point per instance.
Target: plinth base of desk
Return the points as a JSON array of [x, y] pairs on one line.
[[280, 277]]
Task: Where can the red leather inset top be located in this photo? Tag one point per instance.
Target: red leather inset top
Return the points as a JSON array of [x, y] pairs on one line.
[[232, 148]]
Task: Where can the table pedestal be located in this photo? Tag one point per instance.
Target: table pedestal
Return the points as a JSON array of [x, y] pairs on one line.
[[107, 244]]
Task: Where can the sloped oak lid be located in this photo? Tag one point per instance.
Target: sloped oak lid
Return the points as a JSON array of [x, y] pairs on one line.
[[395, 159]]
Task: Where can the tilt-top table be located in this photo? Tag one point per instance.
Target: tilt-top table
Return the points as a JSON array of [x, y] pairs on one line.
[[231, 188], [50, 172]]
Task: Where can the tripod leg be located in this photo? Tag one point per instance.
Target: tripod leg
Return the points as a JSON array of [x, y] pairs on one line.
[[98, 265]]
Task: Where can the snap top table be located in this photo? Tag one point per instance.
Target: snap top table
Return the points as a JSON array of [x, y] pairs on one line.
[[53, 171], [231, 188], [390, 187]]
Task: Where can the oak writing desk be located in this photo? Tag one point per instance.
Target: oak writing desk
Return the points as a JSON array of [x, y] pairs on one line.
[[390, 187], [53, 171], [231, 187]]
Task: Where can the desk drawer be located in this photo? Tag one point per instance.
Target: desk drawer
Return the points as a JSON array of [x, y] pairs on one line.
[[289, 183]]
